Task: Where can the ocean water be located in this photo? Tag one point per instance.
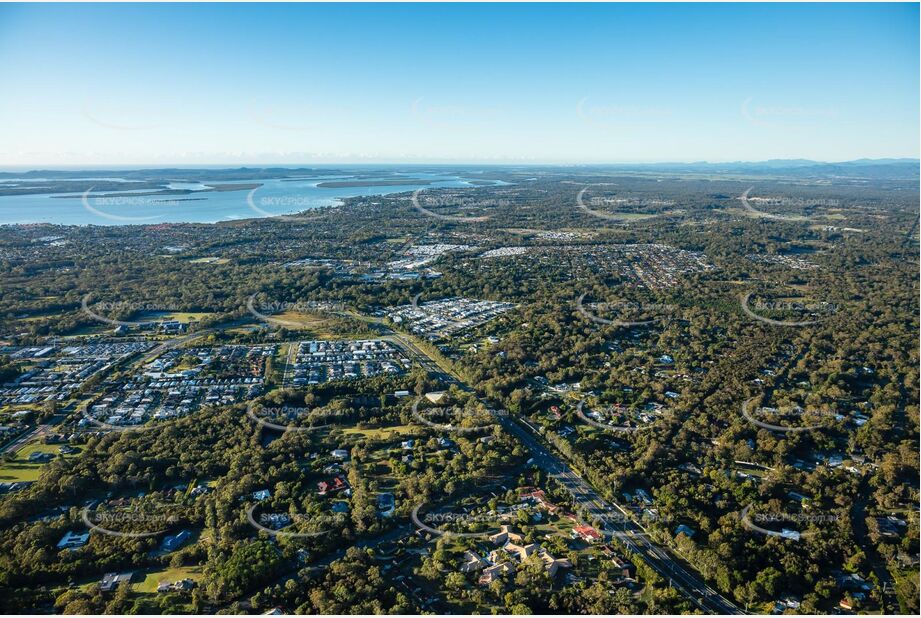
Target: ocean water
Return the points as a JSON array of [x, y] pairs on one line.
[[275, 197]]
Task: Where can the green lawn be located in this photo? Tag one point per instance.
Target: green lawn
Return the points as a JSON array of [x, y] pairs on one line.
[[21, 469], [181, 316], [381, 432], [209, 260], [90, 329], [319, 325], [153, 578]]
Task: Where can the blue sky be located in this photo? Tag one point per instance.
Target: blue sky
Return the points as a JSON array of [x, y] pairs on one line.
[[189, 84]]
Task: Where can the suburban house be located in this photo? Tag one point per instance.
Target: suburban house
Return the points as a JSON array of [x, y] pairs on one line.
[[177, 586], [627, 568], [788, 602], [504, 535], [386, 504], [537, 496], [851, 601], [472, 563], [435, 397], [334, 484], [891, 526], [510, 544], [72, 540], [852, 581], [111, 581], [586, 533], [553, 564], [521, 551], [174, 542], [494, 572]]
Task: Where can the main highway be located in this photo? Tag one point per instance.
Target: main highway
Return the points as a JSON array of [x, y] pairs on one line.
[[616, 521]]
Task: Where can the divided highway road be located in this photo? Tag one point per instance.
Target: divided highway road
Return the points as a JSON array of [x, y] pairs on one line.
[[617, 523]]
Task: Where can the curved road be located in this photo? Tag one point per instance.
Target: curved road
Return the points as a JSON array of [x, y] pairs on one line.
[[766, 215]]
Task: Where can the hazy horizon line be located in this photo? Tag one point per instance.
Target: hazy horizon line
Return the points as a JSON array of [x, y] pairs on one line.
[[35, 167]]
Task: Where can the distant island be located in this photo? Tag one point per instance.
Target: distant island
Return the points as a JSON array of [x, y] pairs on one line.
[[222, 188], [343, 184]]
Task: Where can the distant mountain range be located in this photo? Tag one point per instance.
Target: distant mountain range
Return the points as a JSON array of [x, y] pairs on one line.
[[799, 168]]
